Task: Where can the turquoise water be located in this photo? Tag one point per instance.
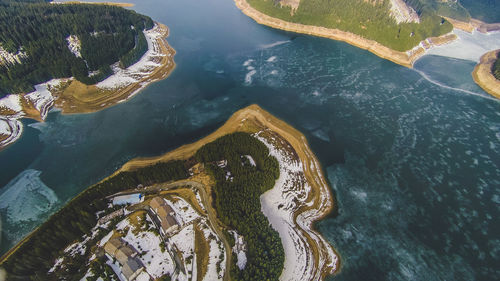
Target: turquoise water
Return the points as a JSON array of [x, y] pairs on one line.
[[412, 155]]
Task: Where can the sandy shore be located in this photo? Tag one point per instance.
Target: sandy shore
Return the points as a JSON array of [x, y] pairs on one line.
[[406, 59], [319, 258], [484, 77], [73, 97]]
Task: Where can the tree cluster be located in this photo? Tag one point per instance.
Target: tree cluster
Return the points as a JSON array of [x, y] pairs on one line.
[[496, 68], [237, 200], [371, 21], [108, 34], [33, 259]]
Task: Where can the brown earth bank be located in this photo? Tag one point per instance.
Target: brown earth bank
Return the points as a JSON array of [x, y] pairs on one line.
[[406, 59], [483, 75], [320, 201], [76, 97], [253, 119]]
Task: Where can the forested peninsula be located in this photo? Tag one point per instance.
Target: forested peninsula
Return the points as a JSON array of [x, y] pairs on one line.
[[38, 35], [241, 206], [79, 58], [397, 30]]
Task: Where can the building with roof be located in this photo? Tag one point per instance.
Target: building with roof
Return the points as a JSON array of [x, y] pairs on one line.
[[131, 269], [165, 214], [125, 254]]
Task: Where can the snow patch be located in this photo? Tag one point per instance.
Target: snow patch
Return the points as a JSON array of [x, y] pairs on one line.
[[11, 102], [279, 205], [402, 12], [139, 70], [12, 128], [74, 45], [157, 263], [216, 249], [10, 58]]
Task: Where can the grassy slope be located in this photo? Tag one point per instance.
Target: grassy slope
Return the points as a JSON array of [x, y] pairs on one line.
[[359, 17]]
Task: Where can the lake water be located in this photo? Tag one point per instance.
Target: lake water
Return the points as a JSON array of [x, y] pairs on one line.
[[413, 156]]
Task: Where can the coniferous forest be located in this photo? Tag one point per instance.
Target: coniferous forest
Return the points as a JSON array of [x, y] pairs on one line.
[[108, 34], [237, 201], [371, 21], [33, 259]]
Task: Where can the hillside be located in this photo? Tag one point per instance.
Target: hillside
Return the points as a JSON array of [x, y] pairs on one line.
[[391, 23], [40, 41]]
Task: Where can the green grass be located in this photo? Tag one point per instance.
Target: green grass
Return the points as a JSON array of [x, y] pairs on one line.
[[358, 17]]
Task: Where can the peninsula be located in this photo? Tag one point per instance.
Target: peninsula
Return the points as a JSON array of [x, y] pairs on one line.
[[391, 29], [237, 204], [487, 73], [150, 60], [404, 51]]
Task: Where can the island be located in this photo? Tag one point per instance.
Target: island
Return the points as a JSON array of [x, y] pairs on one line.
[[396, 30], [487, 73], [104, 63], [239, 204]]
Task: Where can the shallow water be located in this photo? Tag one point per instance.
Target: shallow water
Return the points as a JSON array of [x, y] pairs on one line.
[[412, 155]]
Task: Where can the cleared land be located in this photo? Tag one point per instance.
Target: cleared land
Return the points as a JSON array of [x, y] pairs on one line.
[[483, 76]]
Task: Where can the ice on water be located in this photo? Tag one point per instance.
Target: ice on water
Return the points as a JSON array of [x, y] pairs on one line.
[[26, 197]]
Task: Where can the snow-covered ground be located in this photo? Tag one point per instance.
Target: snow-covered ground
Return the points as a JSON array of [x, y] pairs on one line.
[[74, 45], [12, 128], [12, 106], [43, 100], [401, 12], [139, 70], [184, 212], [10, 58], [157, 263], [239, 249], [279, 204], [250, 158], [11, 103], [216, 248]]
